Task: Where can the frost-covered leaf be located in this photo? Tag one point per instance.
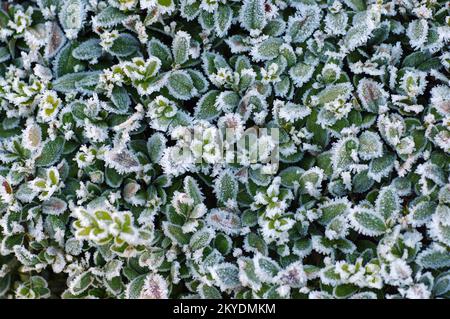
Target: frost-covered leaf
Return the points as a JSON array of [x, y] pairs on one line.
[[302, 25], [226, 276], [180, 47], [367, 221], [417, 32], [120, 98], [302, 72], [51, 152], [434, 257], [381, 167], [222, 20], [344, 153], [75, 82], [71, 16], [226, 187], [201, 239], [421, 212], [442, 284], [209, 292], [207, 108], [64, 62], [290, 176], [54, 206], [332, 92], [265, 268], [372, 95], [88, 50], [180, 85], [175, 233], [252, 16], [331, 209], [109, 17], [192, 188], [125, 45], [81, 283], [370, 146], [388, 203], [255, 243], [158, 49], [56, 40], [267, 50], [156, 145], [224, 221], [134, 288]]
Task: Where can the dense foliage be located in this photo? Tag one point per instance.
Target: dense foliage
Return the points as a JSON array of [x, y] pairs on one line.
[[98, 97]]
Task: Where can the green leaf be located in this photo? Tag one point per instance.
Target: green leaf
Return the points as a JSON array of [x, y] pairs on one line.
[[265, 267], [125, 45], [342, 153], [331, 209], [180, 85], [226, 187], [344, 291], [370, 146], [222, 20], [134, 288], [200, 82], [267, 50], [255, 243], [76, 82], [175, 233], [201, 239], [334, 91], [109, 17], [208, 292], [422, 212], [252, 15], [290, 176], [249, 218], [193, 190], [434, 257], [248, 273], [51, 152], [5, 282], [415, 59], [64, 61], [302, 247], [165, 3], [161, 51], [441, 285], [226, 276], [388, 203], [120, 98], [367, 222], [113, 178], [180, 47], [381, 167], [88, 50], [223, 243], [81, 283], [361, 182], [156, 145], [4, 54], [206, 108]]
